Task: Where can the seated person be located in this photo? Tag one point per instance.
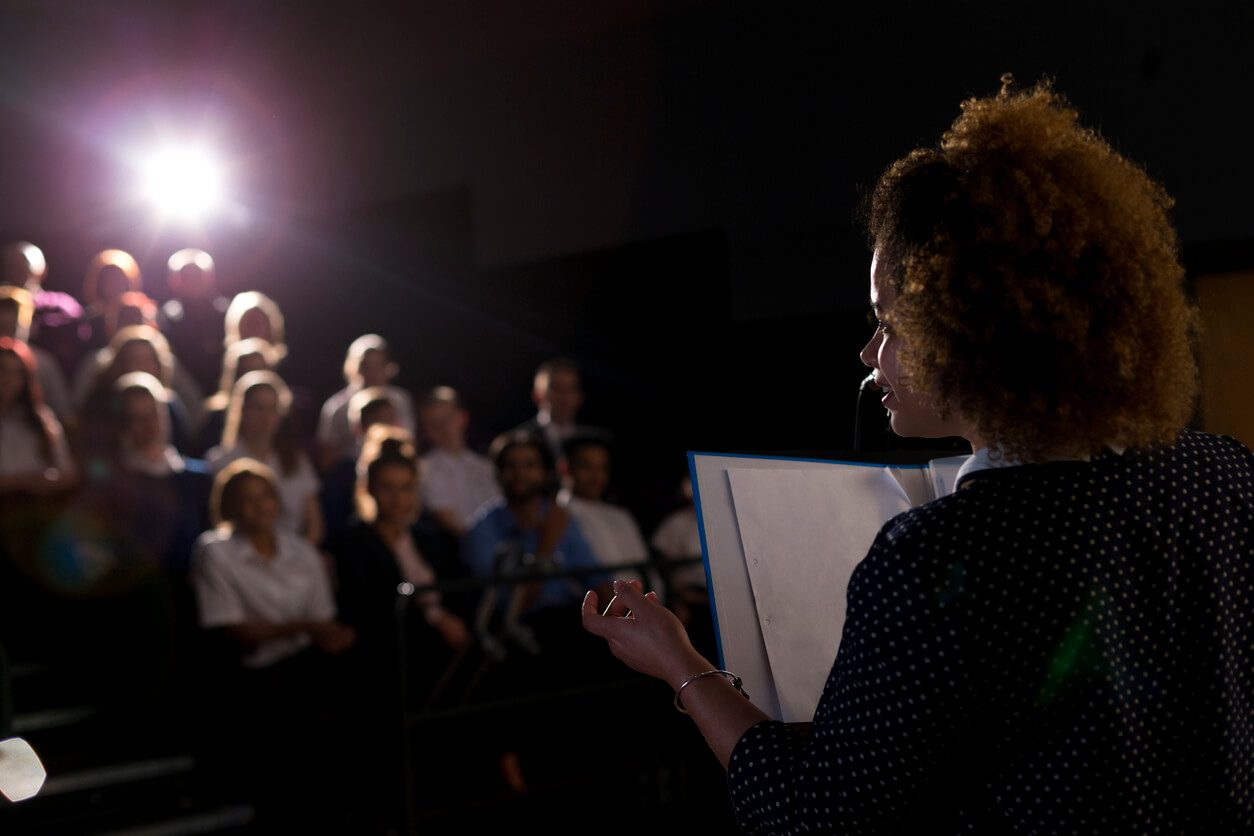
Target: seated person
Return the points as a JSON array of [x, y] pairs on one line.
[[143, 490], [264, 596], [257, 427], [109, 274], [57, 316], [526, 531], [366, 365], [17, 311], [34, 457], [368, 408], [254, 314], [250, 355], [557, 392], [393, 541], [456, 481], [611, 530], [193, 319], [136, 348]]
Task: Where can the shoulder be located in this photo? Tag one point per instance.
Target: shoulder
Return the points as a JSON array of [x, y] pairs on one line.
[[493, 513], [215, 545]]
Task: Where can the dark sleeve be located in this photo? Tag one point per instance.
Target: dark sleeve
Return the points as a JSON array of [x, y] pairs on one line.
[[888, 718]]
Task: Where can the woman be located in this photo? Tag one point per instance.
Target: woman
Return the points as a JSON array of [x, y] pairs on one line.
[[135, 348], [257, 428], [368, 364], [1062, 645], [394, 541], [254, 314], [34, 457], [240, 358], [265, 595]]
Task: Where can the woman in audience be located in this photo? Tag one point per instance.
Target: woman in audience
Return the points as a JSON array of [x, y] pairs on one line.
[[394, 540], [110, 274], [34, 457], [368, 364], [240, 358], [137, 348], [265, 597], [257, 428], [254, 314], [17, 312]]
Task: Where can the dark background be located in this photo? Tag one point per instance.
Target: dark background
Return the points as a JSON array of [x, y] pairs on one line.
[[664, 190]]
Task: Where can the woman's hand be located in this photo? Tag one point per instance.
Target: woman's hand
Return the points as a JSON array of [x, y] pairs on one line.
[[644, 634], [333, 637]]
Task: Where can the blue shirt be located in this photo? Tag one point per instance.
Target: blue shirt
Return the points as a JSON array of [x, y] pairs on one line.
[[496, 533]]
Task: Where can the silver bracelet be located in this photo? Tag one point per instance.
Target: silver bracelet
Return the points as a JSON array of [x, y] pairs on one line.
[[736, 683]]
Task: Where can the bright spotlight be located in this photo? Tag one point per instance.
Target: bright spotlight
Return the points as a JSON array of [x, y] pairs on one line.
[[185, 183]]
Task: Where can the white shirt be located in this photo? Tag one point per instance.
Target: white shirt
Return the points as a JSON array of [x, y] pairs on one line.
[[295, 488], [235, 584], [333, 428], [21, 447], [610, 530], [678, 537], [460, 482]]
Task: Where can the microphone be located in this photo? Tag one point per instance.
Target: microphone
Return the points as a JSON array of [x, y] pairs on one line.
[[867, 383]]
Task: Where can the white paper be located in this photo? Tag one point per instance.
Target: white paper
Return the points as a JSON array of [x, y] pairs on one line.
[[803, 533], [21, 772]]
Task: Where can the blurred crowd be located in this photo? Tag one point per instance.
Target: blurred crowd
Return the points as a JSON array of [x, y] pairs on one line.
[[157, 439]]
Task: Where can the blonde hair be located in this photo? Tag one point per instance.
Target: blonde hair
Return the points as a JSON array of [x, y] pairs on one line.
[[221, 399], [25, 307], [140, 334], [120, 259], [239, 393], [357, 351], [255, 300]]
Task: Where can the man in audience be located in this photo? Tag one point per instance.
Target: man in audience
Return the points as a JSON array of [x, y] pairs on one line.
[[57, 315], [525, 530], [610, 529], [456, 480], [557, 392]]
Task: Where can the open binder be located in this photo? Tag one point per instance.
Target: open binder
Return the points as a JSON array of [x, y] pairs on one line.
[[780, 538]]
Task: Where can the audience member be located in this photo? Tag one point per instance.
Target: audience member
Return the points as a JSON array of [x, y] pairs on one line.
[[265, 595], [110, 274], [368, 408], [557, 392], [456, 481], [34, 456], [367, 364], [256, 428], [137, 348], [393, 541], [240, 358], [152, 498], [193, 319], [525, 531], [254, 314], [17, 311], [22, 264], [610, 529]]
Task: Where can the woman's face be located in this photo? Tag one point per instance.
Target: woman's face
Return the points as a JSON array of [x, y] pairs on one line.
[[141, 421], [254, 323], [260, 416], [12, 378], [138, 356], [910, 413], [395, 492], [258, 506]]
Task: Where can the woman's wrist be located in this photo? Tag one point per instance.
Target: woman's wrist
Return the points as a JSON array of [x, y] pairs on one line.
[[686, 668]]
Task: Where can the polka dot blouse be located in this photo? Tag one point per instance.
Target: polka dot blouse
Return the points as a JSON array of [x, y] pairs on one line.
[[1055, 648]]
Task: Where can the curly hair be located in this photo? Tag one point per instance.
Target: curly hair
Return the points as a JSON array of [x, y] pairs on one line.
[[1039, 290]]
